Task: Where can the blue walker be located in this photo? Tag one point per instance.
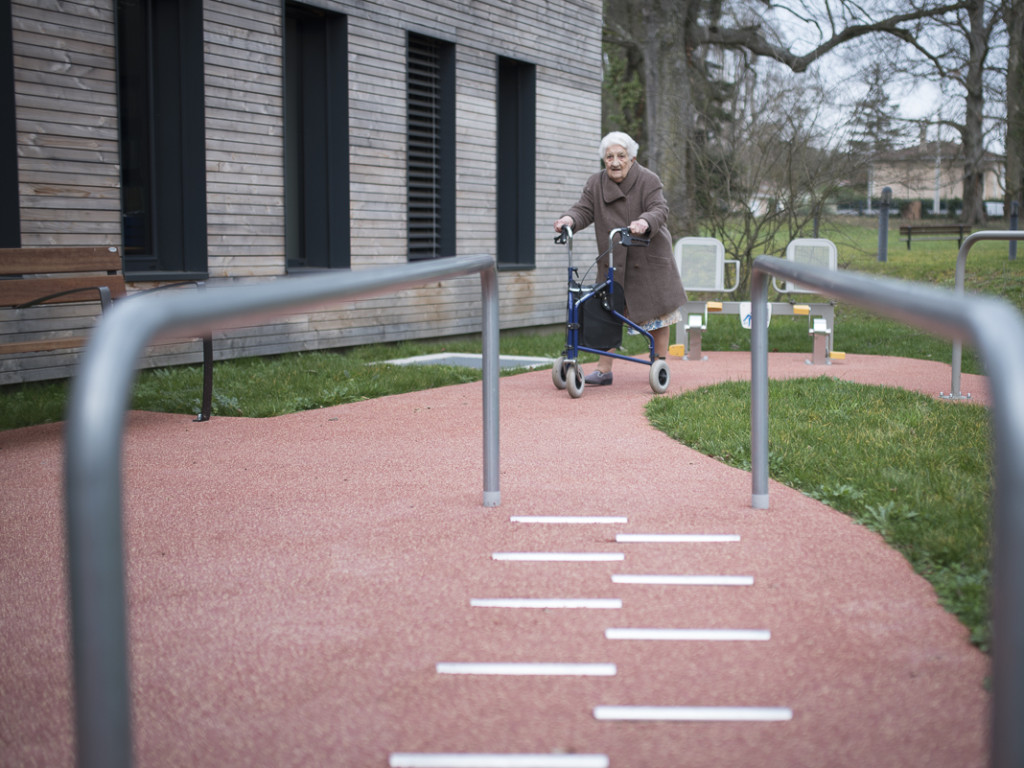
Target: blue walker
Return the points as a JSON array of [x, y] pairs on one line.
[[594, 319]]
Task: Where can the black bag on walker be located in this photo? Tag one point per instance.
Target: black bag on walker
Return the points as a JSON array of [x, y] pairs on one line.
[[599, 328]]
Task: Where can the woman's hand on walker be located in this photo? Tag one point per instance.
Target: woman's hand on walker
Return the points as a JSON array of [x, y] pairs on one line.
[[639, 227], [565, 221]]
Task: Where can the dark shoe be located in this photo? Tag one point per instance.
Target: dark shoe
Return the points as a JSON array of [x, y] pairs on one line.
[[599, 378]]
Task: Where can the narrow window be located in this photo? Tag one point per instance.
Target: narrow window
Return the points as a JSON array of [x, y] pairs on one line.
[[431, 147], [316, 139], [10, 205], [162, 136], [517, 133]]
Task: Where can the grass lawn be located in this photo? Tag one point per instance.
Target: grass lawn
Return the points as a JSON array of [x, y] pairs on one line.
[[913, 468]]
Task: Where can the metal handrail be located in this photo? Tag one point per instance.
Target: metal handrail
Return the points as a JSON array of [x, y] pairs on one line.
[[100, 395], [997, 330], [958, 287]]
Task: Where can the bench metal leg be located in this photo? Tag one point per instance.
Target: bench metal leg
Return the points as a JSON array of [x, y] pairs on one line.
[[206, 409]]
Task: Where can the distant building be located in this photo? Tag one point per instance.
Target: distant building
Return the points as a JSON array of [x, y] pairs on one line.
[[931, 171], [247, 140]]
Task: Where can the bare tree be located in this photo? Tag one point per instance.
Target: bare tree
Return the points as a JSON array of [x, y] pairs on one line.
[[872, 131], [957, 52], [672, 38], [768, 177]]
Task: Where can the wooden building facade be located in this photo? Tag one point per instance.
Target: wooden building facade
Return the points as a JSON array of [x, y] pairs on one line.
[[253, 140]]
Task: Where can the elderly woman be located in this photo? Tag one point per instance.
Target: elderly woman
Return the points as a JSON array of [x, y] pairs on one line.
[[627, 194]]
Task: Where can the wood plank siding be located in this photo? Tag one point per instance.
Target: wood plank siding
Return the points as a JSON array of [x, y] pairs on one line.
[[69, 170]]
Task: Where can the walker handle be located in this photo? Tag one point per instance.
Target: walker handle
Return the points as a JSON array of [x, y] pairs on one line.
[[564, 236], [627, 239]]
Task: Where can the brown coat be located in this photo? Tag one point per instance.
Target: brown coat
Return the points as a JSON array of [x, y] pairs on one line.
[[648, 274]]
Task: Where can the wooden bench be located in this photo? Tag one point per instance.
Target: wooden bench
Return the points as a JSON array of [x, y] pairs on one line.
[[31, 277], [935, 232]]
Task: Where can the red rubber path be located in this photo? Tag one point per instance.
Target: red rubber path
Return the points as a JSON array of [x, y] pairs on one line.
[[295, 581]]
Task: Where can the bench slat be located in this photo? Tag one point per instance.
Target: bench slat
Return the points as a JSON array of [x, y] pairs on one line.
[[42, 345], [16, 292], [27, 261]]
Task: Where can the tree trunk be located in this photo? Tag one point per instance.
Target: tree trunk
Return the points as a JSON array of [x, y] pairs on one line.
[[670, 109], [1014, 16], [973, 133]]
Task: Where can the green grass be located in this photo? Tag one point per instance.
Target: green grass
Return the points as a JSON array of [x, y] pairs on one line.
[[271, 386], [261, 387], [855, 331], [912, 468]]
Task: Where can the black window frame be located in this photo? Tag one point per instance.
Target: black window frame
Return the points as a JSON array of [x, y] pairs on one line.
[[10, 200], [162, 137], [430, 157], [516, 164], [317, 197]]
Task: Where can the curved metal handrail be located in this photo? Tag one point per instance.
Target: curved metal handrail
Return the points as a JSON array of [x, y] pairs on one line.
[[100, 395], [994, 326], [958, 287]]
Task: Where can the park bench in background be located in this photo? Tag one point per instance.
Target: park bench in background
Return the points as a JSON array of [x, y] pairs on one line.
[[935, 232], [31, 277]]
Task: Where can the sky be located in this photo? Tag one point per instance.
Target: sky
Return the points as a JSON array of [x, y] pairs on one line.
[[920, 101], [840, 69]]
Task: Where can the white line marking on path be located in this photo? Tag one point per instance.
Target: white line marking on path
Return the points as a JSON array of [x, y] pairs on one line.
[[561, 557], [676, 538], [526, 668], [466, 760], [545, 602], [696, 580], [569, 519], [695, 714], [687, 634]]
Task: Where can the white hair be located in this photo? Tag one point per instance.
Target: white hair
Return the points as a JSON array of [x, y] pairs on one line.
[[623, 140]]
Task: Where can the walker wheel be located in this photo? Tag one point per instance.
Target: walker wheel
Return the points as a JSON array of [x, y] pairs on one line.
[[558, 373], [574, 380], [659, 376]]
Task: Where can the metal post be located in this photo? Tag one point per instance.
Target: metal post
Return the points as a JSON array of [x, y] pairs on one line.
[[489, 361], [883, 224], [96, 581], [958, 287], [1005, 373], [759, 390], [994, 326], [1014, 220]]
